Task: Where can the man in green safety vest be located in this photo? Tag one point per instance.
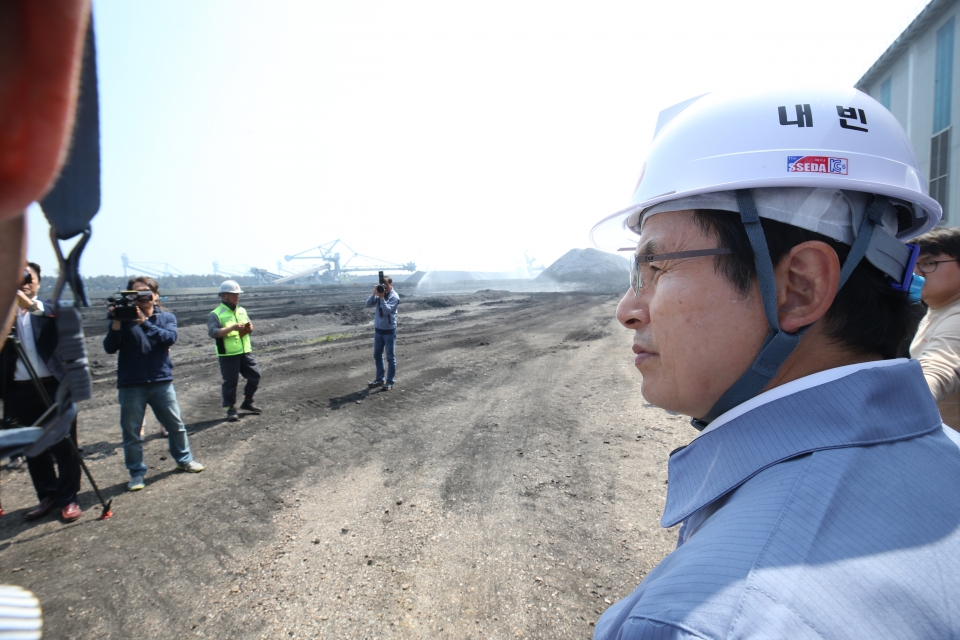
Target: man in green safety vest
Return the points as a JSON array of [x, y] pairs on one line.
[[230, 326]]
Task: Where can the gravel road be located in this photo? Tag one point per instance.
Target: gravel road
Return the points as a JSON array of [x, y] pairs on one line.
[[509, 486]]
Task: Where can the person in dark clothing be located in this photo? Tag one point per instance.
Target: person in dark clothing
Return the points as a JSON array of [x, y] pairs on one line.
[[145, 377], [35, 328]]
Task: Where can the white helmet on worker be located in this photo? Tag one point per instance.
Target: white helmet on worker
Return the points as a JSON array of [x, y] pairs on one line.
[[230, 286], [831, 141], [832, 161]]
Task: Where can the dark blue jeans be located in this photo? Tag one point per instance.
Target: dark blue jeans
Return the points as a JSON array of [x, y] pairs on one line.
[[386, 341]]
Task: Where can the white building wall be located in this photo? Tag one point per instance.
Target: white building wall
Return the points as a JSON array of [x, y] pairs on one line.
[[912, 76], [899, 97]]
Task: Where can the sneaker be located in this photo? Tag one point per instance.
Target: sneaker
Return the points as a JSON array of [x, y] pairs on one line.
[[191, 467], [249, 406], [232, 415], [16, 462], [375, 383], [136, 483], [388, 386]]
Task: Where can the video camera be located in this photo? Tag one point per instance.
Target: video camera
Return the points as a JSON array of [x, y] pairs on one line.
[[382, 287], [27, 277], [124, 304]]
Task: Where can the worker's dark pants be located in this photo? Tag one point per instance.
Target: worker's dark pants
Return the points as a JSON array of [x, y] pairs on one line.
[[24, 404], [231, 368]]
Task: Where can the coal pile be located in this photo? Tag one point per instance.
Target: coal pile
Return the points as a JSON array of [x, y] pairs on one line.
[[594, 269]]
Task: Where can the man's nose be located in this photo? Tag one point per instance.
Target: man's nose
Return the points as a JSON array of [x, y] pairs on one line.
[[632, 312]]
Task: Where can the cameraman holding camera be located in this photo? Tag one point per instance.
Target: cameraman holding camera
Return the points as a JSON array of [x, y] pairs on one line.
[[386, 300], [145, 377], [36, 330], [230, 326]]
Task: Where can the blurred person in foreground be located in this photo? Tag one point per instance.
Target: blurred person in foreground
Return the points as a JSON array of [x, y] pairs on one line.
[[230, 326], [36, 329], [386, 300], [145, 378], [771, 290], [937, 343], [39, 72]]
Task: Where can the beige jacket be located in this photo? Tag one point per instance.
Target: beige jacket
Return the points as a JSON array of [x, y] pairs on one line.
[[937, 348]]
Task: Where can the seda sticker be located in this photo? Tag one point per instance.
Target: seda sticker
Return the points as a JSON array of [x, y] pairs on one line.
[[816, 164]]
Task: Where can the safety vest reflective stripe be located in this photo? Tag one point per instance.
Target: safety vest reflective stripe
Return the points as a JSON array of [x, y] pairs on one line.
[[232, 344]]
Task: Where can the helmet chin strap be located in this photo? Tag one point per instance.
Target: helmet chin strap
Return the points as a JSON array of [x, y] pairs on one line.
[[779, 344]]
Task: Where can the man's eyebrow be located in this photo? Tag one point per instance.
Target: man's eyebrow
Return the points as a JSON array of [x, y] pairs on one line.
[[650, 248]]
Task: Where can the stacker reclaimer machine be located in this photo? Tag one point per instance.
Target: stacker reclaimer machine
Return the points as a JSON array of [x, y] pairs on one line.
[[333, 266]]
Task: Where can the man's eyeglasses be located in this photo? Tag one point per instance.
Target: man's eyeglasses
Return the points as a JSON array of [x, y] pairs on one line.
[[929, 266], [636, 273], [143, 296]]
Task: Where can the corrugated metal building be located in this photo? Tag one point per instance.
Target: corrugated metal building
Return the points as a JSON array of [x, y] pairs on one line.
[[914, 79]]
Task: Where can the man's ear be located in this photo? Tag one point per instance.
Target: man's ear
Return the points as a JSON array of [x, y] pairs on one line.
[[41, 42], [807, 280]]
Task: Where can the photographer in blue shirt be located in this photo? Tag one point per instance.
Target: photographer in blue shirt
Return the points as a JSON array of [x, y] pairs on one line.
[[386, 300], [145, 377], [771, 289]]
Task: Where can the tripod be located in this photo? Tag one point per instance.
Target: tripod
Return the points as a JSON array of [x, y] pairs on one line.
[[51, 407]]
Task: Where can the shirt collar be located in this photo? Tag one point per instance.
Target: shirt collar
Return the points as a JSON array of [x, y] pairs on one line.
[[806, 382], [863, 405]]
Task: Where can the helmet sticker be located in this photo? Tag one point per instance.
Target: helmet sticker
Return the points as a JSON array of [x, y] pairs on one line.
[[851, 114], [816, 164], [804, 116]]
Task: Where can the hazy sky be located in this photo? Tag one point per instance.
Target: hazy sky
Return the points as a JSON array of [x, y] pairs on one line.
[[455, 135]]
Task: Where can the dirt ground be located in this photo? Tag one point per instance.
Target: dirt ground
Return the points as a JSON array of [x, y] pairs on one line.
[[509, 486]]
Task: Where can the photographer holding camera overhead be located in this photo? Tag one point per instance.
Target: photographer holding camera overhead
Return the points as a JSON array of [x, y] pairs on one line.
[[386, 300], [36, 331], [143, 334]]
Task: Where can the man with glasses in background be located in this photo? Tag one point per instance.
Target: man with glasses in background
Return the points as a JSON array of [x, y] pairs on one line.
[[937, 343]]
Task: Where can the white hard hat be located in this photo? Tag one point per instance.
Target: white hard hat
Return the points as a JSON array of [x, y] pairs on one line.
[[834, 139], [832, 161], [230, 286]]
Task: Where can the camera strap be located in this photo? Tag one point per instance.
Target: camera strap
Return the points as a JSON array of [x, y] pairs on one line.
[[69, 207]]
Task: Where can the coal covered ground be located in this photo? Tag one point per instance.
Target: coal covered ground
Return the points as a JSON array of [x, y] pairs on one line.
[[509, 486]]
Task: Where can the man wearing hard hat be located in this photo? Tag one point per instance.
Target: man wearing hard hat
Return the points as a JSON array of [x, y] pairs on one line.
[[230, 326], [771, 287]]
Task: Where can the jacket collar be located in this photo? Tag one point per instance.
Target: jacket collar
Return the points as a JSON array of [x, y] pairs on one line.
[[871, 406]]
